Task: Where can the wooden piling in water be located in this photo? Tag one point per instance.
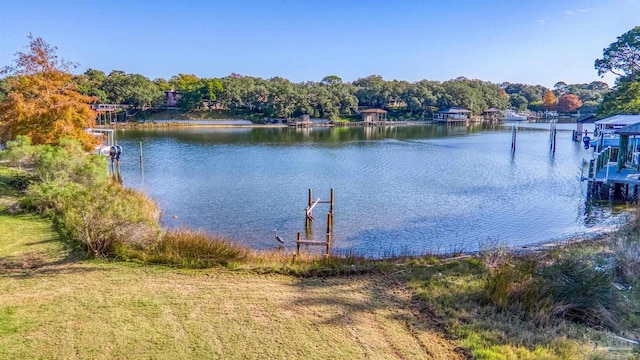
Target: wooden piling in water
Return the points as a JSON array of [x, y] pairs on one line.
[[140, 153], [513, 138], [331, 205], [308, 222], [552, 137]]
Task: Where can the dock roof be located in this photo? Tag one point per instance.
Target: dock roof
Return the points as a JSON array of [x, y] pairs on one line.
[[619, 120], [374, 111], [454, 111], [629, 130]]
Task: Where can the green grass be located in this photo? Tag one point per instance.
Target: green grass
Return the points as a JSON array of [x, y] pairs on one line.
[[118, 310], [22, 234], [7, 193]]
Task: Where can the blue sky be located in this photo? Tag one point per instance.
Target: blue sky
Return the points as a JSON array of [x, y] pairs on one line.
[[533, 42]]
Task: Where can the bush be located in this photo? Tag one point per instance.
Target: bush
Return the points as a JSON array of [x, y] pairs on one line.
[[74, 189], [581, 292], [97, 216], [570, 287], [21, 181], [20, 152]]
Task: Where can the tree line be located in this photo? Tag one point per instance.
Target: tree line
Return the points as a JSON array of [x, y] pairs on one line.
[[333, 98], [40, 98]]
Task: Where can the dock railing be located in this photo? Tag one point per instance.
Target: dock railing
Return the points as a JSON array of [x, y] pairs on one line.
[[599, 161]]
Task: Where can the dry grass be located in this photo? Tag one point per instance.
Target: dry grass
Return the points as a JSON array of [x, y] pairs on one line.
[[106, 310]]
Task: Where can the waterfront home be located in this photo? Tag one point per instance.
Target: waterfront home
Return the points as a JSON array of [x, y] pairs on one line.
[[491, 114], [452, 115], [608, 125], [629, 147], [373, 115], [606, 131]]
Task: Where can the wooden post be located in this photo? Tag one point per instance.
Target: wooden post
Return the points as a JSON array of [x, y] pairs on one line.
[[332, 200], [622, 152], [141, 153], [307, 219], [328, 245], [298, 244], [513, 138], [552, 137]]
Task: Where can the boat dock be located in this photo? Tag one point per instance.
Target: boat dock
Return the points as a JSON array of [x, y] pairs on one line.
[[608, 180]]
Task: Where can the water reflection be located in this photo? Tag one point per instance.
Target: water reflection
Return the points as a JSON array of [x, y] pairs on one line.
[[398, 189]]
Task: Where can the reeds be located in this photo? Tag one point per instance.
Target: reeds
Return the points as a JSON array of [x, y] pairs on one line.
[[193, 249]]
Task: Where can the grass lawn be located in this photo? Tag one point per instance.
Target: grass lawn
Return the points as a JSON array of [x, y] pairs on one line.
[[115, 310], [28, 235]]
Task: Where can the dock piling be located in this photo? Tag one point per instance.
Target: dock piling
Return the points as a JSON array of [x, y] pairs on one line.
[[309, 221]]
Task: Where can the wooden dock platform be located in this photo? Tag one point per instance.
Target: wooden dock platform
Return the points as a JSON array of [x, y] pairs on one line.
[[607, 182], [609, 175]]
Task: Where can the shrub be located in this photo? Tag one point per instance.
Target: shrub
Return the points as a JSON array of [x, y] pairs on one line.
[[21, 181], [97, 216], [73, 188], [101, 216], [569, 286], [626, 250], [20, 152], [581, 292]]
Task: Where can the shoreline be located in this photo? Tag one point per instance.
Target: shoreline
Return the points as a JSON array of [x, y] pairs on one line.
[[199, 123]]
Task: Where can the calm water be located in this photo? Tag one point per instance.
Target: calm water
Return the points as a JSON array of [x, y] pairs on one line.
[[398, 189]]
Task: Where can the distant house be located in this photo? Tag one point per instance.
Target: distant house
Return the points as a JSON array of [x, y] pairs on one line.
[[491, 114], [374, 115], [452, 115], [170, 98]]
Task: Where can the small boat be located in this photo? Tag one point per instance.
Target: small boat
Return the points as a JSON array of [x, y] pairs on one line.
[[512, 115]]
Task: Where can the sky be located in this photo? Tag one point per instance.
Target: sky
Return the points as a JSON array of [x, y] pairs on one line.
[[537, 42]]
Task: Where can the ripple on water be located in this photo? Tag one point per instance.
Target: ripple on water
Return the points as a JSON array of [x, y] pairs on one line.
[[409, 193]]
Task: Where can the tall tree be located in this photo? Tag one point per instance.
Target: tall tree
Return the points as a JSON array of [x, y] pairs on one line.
[[43, 102], [90, 84], [569, 103], [518, 102], [4, 89], [549, 101], [624, 100], [560, 88], [622, 57], [331, 80], [131, 89]]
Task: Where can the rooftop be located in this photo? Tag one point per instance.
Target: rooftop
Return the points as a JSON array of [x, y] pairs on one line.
[[455, 111]]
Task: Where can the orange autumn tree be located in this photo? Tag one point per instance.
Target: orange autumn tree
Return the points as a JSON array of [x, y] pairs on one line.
[[549, 100], [42, 102], [569, 103]]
